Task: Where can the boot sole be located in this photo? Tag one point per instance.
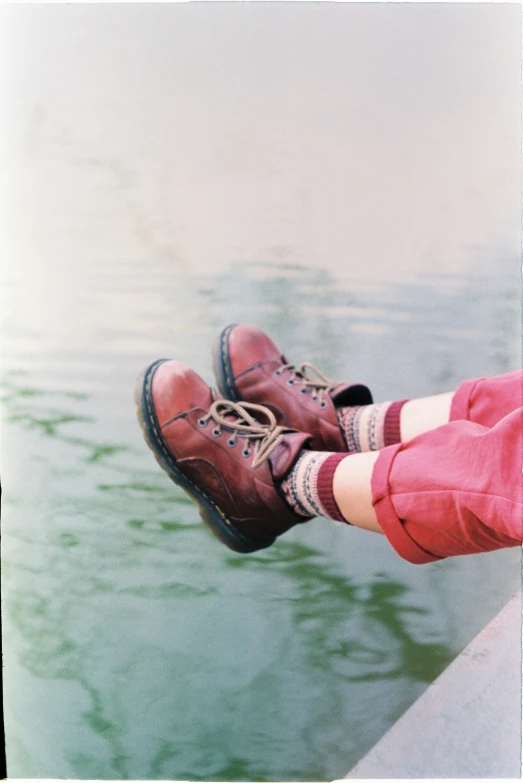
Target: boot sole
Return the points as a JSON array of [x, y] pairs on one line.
[[212, 515], [222, 365]]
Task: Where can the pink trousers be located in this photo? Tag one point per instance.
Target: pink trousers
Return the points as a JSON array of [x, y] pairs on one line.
[[457, 490]]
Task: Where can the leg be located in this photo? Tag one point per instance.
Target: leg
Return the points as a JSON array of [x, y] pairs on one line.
[[423, 414], [342, 417], [484, 401], [373, 427], [451, 491], [352, 490]]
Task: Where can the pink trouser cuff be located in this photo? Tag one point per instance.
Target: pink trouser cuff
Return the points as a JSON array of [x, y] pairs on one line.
[[389, 521], [488, 400], [460, 405], [457, 489]]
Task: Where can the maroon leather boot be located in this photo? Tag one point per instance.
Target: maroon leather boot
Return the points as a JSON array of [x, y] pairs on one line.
[[251, 368], [226, 455]]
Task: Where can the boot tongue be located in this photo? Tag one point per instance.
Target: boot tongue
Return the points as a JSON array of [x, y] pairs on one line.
[[283, 457], [351, 394]]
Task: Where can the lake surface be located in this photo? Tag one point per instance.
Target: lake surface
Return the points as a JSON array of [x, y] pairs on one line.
[[348, 178]]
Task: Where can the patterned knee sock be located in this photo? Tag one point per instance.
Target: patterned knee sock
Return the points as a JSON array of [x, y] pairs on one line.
[[308, 487], [371, 427]]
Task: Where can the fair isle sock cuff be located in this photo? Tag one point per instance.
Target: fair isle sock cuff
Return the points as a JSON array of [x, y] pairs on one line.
[[299, 488], [363, 426], [371, 427], [325, 489], [348, 419], [391, 426]]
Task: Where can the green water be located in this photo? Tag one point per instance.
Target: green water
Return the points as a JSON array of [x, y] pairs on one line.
[[136, 645]]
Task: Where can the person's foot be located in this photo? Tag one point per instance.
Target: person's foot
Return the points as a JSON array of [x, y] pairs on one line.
[[228, 456], [250, 367]]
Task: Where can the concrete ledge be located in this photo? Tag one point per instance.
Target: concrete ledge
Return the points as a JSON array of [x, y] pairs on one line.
[[467, 724]]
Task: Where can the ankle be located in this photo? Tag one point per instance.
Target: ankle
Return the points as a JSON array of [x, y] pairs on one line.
[[352, 488], [308, 488], [371, 427]]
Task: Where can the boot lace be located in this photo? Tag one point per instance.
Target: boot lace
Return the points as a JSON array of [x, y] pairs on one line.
[[320, 386], [263, 437]]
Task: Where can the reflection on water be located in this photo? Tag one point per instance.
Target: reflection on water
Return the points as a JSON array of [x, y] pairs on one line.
[[171, 168]]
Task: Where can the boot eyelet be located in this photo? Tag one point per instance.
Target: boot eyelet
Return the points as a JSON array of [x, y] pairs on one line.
[[216, 432], [201, 423], [290, 382], [245, 454], [303, 390], [231, 443], [323, 404], [277, 372]]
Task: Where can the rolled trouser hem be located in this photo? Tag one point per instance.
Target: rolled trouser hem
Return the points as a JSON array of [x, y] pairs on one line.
[[460, 405], [488, 400], [386, 515], [387, 518]]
